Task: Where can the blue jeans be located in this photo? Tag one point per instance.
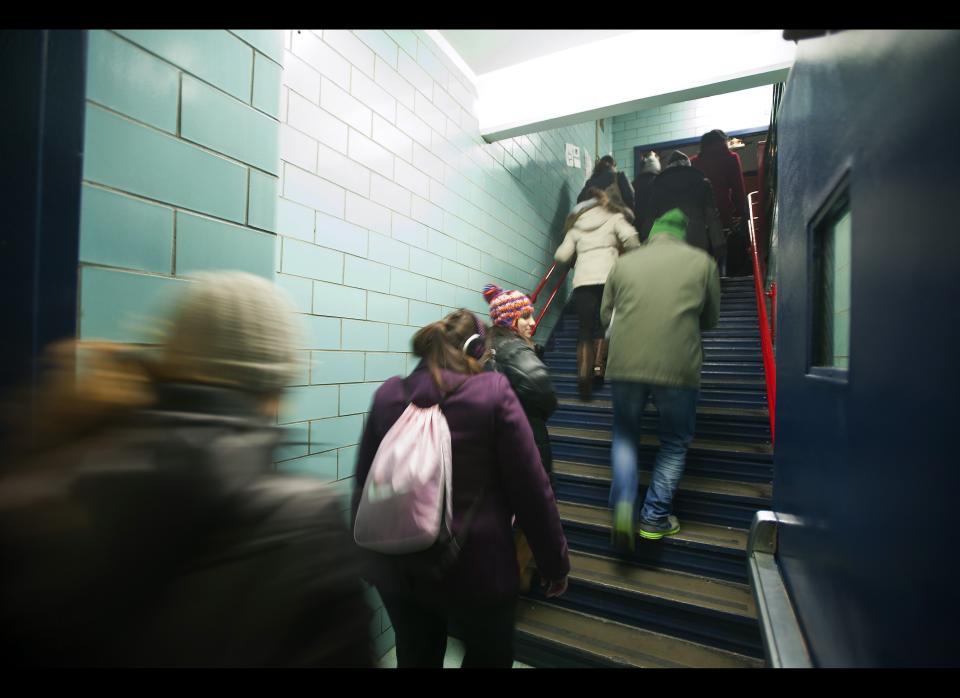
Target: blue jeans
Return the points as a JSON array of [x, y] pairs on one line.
[[678, 413]]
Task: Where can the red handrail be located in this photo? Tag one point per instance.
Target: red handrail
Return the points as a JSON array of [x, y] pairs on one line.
[[766, 343], [533, 296]]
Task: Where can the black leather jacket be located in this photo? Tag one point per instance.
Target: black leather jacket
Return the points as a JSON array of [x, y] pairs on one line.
[[528, 376]]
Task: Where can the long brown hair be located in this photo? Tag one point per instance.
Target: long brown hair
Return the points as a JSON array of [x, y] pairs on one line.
[[440, 345]]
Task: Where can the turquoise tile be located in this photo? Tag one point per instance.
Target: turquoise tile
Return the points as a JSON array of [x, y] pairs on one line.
[[401, 337], [294, 220], [140, 160], [306, 403], [335, 432], [266, 86], [122, 306], [341, 235], [383, 366], [228, 126], [357, 397], [262, 204], [403, 283], [131, 81], [384, 643], [214, 55], [266, 41], [294, 443], [120, 231], [204, 244], [424, 313], [336, 367], [364, 336], [320, 332], [347, 464], [363, 274], [322, 466], [440, 292], [304, 259], [302, 365], [339, 301], [386, 308], [426, 263], [299, 291]]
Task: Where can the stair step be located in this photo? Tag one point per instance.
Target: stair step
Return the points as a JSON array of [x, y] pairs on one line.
[[606, 436], [745, 412], [688, 483], [699, 548], [580, 639], [744, 382]]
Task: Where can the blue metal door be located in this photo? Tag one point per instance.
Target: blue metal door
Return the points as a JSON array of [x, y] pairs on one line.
[[867, 458]]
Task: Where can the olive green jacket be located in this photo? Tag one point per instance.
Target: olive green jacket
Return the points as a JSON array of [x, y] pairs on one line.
[[663, 295]]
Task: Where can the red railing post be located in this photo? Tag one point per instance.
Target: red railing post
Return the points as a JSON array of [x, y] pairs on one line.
[[533, 296], [766, 343]]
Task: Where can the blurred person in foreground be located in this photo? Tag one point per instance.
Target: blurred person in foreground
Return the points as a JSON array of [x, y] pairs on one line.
[[146, 529]]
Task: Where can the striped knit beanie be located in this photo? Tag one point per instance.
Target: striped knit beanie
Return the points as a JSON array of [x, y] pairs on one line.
[[506, 307]]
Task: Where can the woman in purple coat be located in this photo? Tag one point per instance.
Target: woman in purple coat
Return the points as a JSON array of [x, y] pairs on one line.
[[495, 463]]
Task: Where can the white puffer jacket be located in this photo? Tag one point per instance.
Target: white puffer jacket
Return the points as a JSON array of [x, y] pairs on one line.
[[595, 239]]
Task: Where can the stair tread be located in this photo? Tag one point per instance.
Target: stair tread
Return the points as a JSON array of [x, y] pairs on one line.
[[712, 411], [688, 483], [619, 643], [691, 532], [652, 440], [704, 380], [679, 587]]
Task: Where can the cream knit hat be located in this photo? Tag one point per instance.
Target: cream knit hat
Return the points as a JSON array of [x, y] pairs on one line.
[[232, 329]]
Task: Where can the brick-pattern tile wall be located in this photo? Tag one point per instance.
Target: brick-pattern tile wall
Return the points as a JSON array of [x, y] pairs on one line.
[[181, 165], [731, 112], [393, 212]]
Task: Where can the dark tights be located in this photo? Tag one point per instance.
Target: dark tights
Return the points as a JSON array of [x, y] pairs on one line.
[[586, 300]]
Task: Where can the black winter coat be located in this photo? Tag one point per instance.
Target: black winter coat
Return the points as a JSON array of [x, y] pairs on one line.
[[166, 542], [530, 380], [602, 180], [687, 189]]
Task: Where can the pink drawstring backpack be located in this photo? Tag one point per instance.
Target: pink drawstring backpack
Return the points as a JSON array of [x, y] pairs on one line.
[[406, 508]]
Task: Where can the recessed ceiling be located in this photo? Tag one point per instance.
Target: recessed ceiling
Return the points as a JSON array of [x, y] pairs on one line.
[[486, 50]]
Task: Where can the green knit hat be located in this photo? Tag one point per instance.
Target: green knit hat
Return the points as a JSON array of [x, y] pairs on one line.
[[673, 222]]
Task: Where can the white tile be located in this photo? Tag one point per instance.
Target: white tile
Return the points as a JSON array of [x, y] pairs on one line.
[[294, 220], [443, 197], [411, 178], [413, 126], [426, 111], [463, 97], [388, 251], [374, 96], [298, 148], [389, 79], [417, 76], [391, 195], [409, 231], [310, 48], [367, 214], [364, 150], [341, 170], [310, 190], [425, 212], [341, 235], [432, 64], [351, 48], [343, 106], [382, 45], [427, 162], [392, 138], [300, 77], [317, 123], [447, 104], [406, 39]]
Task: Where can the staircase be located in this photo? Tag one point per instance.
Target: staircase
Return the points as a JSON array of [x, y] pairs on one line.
[[682, 601]]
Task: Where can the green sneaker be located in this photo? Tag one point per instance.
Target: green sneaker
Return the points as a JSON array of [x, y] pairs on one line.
[[656, 531], [622, 535]]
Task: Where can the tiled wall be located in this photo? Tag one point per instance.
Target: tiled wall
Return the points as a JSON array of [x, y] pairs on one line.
[[392, 213], [731, 112], [181, 164]]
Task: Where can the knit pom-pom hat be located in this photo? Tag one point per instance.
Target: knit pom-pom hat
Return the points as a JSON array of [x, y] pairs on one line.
[[506, 307]]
